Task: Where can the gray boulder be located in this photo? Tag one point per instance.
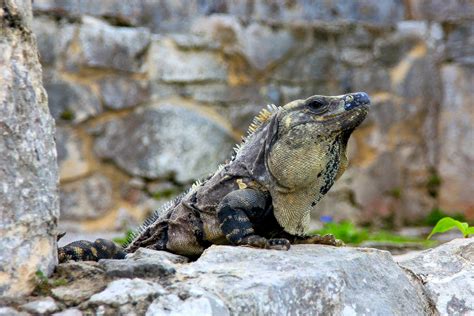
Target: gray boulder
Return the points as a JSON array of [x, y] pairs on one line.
[[308, 279], [447, 275], [166, 139], [28, 171]]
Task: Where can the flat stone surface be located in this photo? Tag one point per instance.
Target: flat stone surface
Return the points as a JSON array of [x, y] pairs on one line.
[[447, 274], [138, 268], [156, 255], [71, 102], [28, 170], [460, 43], [86, 198], [169, 64], [125, 291], [308, 279], [99, 41], [120, 92], [456, 134], [72, 159], [43, 306], [169, 139]]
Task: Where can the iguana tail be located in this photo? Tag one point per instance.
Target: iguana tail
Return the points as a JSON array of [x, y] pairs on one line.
[[83, 250]]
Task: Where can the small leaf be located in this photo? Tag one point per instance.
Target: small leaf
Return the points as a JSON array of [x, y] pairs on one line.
[[470, 231], [447, 223]]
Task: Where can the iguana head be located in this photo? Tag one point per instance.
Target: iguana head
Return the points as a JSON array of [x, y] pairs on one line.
[[307, 152]]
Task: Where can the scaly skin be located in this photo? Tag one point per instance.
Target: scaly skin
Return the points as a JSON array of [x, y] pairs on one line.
[[261, 198]]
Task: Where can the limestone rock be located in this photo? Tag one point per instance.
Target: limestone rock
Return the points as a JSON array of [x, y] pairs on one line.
[[69, 312], [168, 139], [259, 43], [120, 92], [99, 41], [138, 268], [71, 102], [86, 198], [439, 10], [460, 43], [28, 171], [42, 306], [456, 134], [447, 275], [308, 279], [156, 255], [169, 64], [125, 291], [8, 311], [195, 303], [52, 39], [71, 154]]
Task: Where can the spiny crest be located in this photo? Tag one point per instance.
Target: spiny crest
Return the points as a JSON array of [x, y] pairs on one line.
[[257, 122], [261, 118], [151, 219]]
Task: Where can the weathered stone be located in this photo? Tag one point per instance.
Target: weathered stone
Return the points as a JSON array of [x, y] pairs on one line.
[[69, 312], [439, 10], [99, 41], [125, 291], [385, 12], [158, 256], [138, 268], [168, 139], [193, 41], [309, 279], [390, 51], [259, 43], [318, 65], [460, 43], [128, 12], [84, 279], [71, 102], [169, 64], [43, 306], [219, 93], [447, 275], [456, 135], [71, 154], [196, 303], [52, 38], [119, 92], [28, 171], [86, 198], [8, 311]]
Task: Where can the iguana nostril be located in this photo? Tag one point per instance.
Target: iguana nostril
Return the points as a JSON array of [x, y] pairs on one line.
[[358, 99]]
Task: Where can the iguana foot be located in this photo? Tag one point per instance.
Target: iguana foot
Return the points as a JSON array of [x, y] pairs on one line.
[[256, 241], [327, 239], [83, 250]]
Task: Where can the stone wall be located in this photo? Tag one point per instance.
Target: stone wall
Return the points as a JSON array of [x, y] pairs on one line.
[[150, 95]]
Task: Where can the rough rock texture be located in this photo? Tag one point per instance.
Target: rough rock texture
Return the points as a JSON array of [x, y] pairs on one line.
[[110, 61], [307, 279], [447, 275], [457, 134], [167, 140], [28, 170]]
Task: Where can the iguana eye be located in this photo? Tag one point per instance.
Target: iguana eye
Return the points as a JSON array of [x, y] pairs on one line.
[[317, 106]]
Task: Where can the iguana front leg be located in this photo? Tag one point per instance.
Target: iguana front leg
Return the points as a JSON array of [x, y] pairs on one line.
[[237, 211], [327, 239]]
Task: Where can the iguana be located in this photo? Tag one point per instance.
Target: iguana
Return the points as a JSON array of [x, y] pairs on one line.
[[264, 195]]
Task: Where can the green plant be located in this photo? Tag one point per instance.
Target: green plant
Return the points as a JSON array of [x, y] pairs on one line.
[[437, 214], [67, 115], [44, 284], [448, 223], [350, 234], [126, 237]]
